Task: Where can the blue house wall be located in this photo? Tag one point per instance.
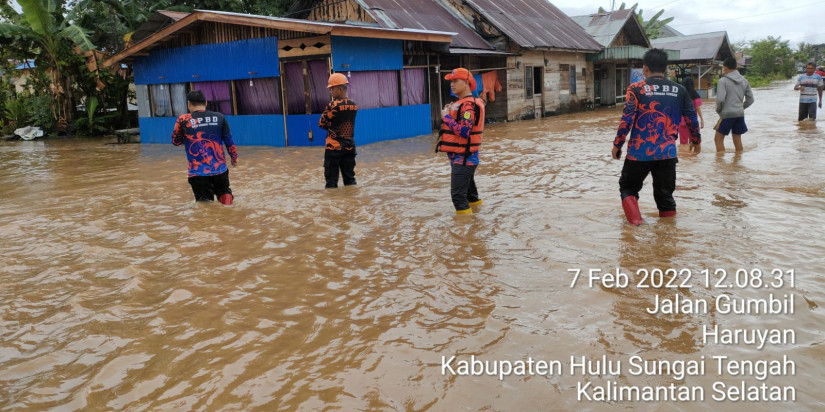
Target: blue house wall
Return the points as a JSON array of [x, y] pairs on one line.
[[260, 130], [255, 58], [362, 54], [242, 59]]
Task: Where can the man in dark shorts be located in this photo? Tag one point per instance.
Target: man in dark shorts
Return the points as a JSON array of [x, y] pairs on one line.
[[733, 96], [810, 84], [202, 131]]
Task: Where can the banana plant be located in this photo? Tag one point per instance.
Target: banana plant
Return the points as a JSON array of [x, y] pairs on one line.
[[52, 36], [653, 27]]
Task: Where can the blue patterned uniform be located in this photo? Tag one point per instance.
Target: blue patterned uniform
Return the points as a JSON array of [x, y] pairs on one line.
[[202, 132], [652, 113]]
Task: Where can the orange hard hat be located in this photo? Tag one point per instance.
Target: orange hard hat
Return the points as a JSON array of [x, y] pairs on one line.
[[337, 79], [462, 74]]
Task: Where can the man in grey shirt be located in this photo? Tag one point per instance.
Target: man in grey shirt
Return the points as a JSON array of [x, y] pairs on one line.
[[733, 96]]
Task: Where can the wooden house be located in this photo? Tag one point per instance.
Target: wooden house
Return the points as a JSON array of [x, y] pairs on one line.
[[268, 75]]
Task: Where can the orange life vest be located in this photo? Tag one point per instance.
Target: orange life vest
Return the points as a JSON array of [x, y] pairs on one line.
[[452, 143]]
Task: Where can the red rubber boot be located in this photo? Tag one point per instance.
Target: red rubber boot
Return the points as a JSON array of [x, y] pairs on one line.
[[669, 213], [226, 198], [631, 210]]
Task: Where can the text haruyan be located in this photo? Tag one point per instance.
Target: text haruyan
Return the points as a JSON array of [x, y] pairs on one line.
[[756, 337]]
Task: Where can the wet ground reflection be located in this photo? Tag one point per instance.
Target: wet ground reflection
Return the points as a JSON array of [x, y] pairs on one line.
[[118, 292]]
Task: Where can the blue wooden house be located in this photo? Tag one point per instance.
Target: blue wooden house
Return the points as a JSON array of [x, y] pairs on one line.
[[268, 75]]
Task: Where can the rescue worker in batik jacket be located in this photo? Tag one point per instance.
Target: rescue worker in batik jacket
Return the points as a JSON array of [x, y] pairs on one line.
[[201, 132], [460, 137], [338, 120], [653, 110]]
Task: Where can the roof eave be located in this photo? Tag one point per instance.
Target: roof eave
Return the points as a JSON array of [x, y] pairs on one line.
[[281, 24]]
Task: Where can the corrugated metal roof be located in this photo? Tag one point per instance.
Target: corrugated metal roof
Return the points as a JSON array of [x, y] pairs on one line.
[[668, 31], [604, 27], [628, 53], [458, 50], [423, 14], [535, 23], [155, 22], [307, 26], [705, 46]]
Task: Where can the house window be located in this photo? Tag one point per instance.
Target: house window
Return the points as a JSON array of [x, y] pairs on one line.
[[415, 86], [564, 78], [162, 100], [528, 82], [622, 81], [177, 92], [374, 89], [537, 86], [573, 79], [218, 95], [143, 100], [258, 96]]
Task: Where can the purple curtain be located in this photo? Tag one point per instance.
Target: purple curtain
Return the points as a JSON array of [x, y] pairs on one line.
[[218, 95], [318, 76], [362, 89], [258, 96], [294, 85], [372, 89], [388, 88], [415, 86]]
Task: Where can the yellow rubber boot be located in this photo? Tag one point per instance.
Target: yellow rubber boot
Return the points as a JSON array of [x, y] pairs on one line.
[[476, 203], [467, 211]]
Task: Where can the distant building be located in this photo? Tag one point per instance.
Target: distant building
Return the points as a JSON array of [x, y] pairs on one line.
[[700, 56], [536, 52], [620, 62], [19, 75]]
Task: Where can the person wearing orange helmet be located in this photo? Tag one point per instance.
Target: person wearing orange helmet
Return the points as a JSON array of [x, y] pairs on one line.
[[462, 125], [338, 119]]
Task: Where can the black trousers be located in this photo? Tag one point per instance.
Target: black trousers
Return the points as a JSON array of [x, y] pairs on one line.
[[206, 188], [339, 160], [664, 181], [463, 186], [807, 110]]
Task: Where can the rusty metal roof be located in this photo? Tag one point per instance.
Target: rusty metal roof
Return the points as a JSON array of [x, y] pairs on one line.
[[698, 47], [604, 27], [426, 15], [418, 14], [298, 25], [156, 22], [535, 24]]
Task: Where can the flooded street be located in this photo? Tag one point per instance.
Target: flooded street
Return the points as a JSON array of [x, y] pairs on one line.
[[119, 292]]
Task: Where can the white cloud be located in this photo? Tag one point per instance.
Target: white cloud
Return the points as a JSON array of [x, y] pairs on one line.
[[745, 20]]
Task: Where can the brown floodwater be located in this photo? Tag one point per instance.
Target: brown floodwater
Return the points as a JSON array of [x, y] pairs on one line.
[[118, 292]]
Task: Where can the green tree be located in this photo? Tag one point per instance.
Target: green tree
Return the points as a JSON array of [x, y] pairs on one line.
[[42, 32], [112, 23], [741, 46], [261, 7], [772, 57], [805, 52]]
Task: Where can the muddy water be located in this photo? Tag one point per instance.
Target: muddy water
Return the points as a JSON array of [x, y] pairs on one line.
[[118, 292]]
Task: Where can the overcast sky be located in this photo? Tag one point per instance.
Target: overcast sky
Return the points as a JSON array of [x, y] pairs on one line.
[[744, 20], [794, 20]]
